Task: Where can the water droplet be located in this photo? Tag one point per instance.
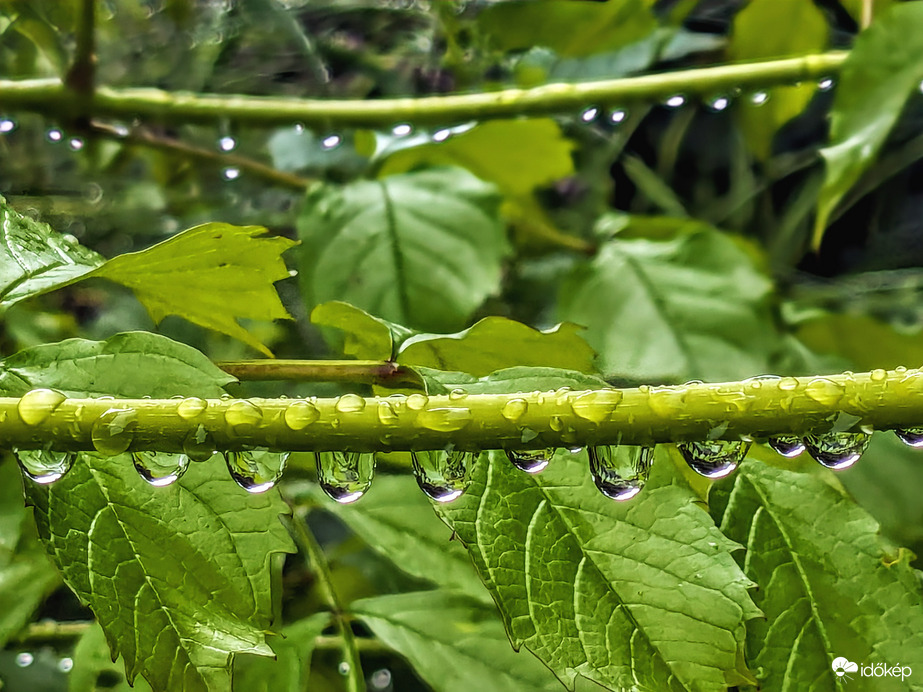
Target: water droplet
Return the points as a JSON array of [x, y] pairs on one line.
[[713, 458], [243, 414], [7, 125], [759, 98], [444, 419], [44, 466], [787, 384], [910, 436], [230, 173], [227, 143], [160, 468], [191, 408], [620, 472], [401, 130], [837, 450], [824, 391], [417, 402], [514, 409], [112, 431], [442, 135], [531, 461], [199, 445], [443, 476], [556, 423], [618, 116], [300, 414], [54, 135], [900, 369], [597, 406], [458, 394], [75, 143], [345, 476], [350, 403], [675, 101], [719, 104], [35, 406], [66, 665], [256, 471], [344, 668], [24, 659], [789, 446], [331, 141], [877, 375], [380, 679], [826, 84], [589, 115]]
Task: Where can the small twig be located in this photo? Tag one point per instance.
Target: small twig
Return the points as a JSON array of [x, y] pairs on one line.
[[144, 137], [81, 77], [384, 373], [365, 644], [50, 631]]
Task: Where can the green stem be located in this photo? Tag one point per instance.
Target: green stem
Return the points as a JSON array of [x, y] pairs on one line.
[[51, 97], [384, 373], [81, 77], [642, 415], [355, 681]]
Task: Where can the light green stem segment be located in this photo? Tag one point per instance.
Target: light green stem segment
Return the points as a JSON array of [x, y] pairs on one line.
[[644, 415], [50, 96]]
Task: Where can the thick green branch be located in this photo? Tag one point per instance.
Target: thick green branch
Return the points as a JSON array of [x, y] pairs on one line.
[[643, 415], [51, 97]]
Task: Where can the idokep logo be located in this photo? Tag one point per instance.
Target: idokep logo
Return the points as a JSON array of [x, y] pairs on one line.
[[846, 669]]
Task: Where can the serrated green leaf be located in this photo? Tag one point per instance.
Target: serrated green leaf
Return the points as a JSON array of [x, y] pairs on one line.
[[211, 275], [290, 671], [495, 343], [829, 585], [690, 305], [423, 249], [366, 337], [455, 643], [94, 668], [34, 258], [642, 595], [397, 520], [761, 32], [884, 67]]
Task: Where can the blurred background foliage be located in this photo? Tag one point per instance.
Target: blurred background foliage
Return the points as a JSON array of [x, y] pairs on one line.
[[678, 234]]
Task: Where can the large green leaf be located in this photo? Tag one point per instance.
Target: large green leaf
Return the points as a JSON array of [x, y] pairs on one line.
[[35, 258], [455, 643], [365, 337], [291, 669], [211, 275], [422, 249], [883, 69], [689, 305], [497, 342], [642, 595], [762, 31], [829, 585]]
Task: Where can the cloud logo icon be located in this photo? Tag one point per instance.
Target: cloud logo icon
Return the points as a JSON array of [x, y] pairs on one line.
[[841, 666]]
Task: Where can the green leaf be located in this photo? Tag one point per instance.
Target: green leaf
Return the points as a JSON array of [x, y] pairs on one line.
[[652, 186], [761, 31], [632, 595], [455, 643], [495, 343], [884, 67], [863, 341], [516, 379], [423, 249], [689, 305], [516, 155], [34, 258], [829, 585], [571, 29], [365, 337], [290, 671], [211, 275], [94, 668], [397, 520]]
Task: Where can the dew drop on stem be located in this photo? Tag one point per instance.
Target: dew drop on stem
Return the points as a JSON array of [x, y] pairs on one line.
[[256, 471], [243, 415], [345, 476], [44, 466], [199, 445], [789, 446], [837, 450], [7, 125], [160, 468], [300, 414], [620, 472], [191, 408], [113, 431], [713, 458], [443, 476], [912, 437], [530, 461], [36, 405]]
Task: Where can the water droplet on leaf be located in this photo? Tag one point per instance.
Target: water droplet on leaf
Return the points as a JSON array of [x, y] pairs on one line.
[[256, 471], [443, 476], [789, 446], [345, 476], [713, 458], [530, 461], [160, 468], [35, 406], [112, 432], [837, 450], [620, 472], [44, 466]]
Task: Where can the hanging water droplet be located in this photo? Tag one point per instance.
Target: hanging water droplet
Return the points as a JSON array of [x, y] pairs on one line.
[[620, 472], [826, 84], [618, 116], [300, 414], [443, 476], [713, 458], [531, 461], [112, 432], [441, 135], [331, 141], [514, 409], [589, 115], [35, 406], [719, 104], [912, 437], [44, 466], [598, 405], [256, 471], [401, 130], [7, 125], [230, 173], [380, 679], [344, 668], [789, 446], [160, 468], [242, 415], [759, 98], [75, 143], [675, 101], [350, 403], [227, 143], [24, 659], [191, 408], [54, 135], [66, 665], [199, 445], [837, 450], [345, 476]]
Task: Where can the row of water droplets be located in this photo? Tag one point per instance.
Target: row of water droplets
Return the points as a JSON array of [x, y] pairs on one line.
[[443, 475]]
